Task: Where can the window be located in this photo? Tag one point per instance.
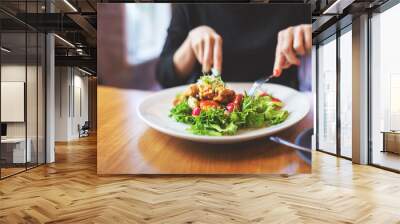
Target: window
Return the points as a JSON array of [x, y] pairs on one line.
[[385, 89], [327, 96], [146, 24], [345, 43]]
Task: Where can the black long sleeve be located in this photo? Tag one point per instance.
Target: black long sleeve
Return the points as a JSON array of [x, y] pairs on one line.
[[249, 34], [177, 33]]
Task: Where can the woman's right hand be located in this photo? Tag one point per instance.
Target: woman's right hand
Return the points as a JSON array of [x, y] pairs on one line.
[[292, 41], [203, 44]]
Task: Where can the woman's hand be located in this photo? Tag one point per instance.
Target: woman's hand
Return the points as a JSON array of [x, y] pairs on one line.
[[202, 44], [293, 41]]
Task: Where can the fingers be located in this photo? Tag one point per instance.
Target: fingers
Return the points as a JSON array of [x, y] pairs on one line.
[[287, 47], [292, 42], [308, 37], [298, 41], [197, 49], [280, 59], [200, 50], [280, 64], [207, 47], [217, 60], [208, 53]]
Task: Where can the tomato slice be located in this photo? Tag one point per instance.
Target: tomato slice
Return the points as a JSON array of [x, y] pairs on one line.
[[238, 99], [273, 99], [230, 107], [196, 111], [204, 104]]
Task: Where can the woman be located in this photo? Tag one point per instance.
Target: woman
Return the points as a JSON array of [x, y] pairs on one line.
[[243, 42]]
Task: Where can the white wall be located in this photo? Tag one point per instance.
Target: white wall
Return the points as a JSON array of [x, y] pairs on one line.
[[82, 83], [15, 72], [81, 100], [70, 84], [62, 81]]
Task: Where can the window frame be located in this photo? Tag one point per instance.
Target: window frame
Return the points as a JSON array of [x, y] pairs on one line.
[[345, 25]]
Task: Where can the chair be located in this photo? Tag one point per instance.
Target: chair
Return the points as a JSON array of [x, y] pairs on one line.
[[84, 130]]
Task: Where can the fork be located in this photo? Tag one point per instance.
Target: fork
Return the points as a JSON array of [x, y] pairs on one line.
[[258, 83], [215, 72]]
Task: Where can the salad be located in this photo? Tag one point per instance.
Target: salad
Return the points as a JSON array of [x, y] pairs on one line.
[[210, 108]]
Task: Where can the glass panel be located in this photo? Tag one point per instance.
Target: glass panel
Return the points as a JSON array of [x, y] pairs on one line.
[[31, 100], [385, 84], [13, 86], [31, 88], [41, 99], [327, 96], [346, 94]]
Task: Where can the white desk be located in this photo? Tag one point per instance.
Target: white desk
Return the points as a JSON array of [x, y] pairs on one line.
[[19, 149]]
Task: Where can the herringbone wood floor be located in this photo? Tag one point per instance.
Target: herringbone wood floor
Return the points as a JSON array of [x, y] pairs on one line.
[[69, 191]]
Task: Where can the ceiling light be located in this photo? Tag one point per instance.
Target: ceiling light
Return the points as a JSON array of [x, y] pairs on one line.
[[70, 5], [79, 51], [5, 50], [65, 41], [84, 71]]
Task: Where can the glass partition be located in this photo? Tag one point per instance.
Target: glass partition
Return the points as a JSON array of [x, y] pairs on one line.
[[14, 151], [32, 98], [41, 87], [23, 91], [31, 85]]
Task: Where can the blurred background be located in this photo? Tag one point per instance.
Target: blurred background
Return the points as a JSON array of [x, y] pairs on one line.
[[130, 41]]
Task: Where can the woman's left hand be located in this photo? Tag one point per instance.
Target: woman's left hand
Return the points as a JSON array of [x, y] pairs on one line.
[[292, 41]]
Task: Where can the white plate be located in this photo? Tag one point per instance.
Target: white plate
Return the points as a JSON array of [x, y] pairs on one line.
[[154, 111]]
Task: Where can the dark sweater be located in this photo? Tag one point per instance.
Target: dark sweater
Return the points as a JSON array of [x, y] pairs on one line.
[[249, 33]]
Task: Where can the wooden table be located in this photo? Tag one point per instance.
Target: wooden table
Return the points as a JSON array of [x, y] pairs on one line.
[[391, 141], [128, 146]]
